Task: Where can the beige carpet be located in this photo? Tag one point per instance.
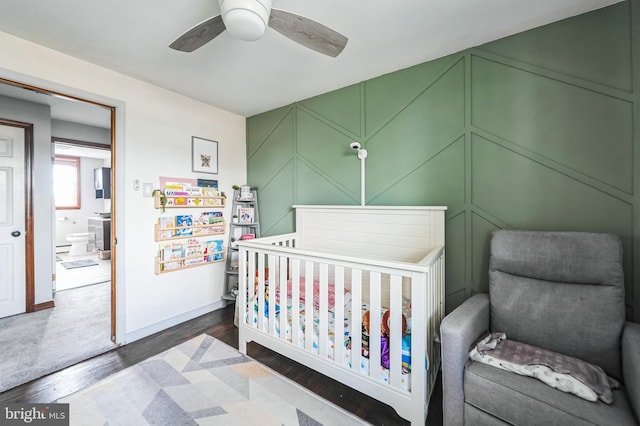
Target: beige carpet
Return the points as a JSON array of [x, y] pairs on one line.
[[77, 328], [202, 382]]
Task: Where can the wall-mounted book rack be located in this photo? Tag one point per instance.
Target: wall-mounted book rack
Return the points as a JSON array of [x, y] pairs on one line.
[[178, 232], [180, 263], [189, 201], [182, 238]]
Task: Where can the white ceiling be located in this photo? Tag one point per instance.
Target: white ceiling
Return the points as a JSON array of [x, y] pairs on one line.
[[131, 37]]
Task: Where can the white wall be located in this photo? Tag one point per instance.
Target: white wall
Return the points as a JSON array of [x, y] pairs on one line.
[[80, 132], [155, 140]]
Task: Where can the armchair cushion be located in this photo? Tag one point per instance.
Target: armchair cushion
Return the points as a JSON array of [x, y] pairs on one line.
[[559, 371], [547, 286], [521, 400]]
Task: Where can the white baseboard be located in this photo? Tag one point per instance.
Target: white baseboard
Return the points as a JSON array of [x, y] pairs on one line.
[[170, 322]]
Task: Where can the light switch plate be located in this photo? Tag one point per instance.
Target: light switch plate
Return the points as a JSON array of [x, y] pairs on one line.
[[147, 189]]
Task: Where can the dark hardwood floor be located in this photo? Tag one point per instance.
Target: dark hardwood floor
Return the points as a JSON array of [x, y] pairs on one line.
[[218, 324]]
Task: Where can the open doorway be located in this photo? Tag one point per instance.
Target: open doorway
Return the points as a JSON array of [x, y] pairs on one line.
[[68, 122], [82, 209]]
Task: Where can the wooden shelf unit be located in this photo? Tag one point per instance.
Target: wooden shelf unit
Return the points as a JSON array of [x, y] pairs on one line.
[[190, 201]]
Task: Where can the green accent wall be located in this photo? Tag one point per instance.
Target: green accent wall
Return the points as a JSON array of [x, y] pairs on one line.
[[535, 131]]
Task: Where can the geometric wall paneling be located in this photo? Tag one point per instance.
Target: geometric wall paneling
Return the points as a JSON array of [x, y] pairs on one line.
[[479, 237], [386, 95], [433, 120], [315, 187], [284, 225], [341, 107], [456, 263], [593, 46], [528, 195], [327, 149], [438, 181], [276, 199], [273, 153], [537, 131], [260, 126], [586, 131]]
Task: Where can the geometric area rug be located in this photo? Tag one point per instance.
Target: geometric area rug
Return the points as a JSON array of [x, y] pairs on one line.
[[201, 382]]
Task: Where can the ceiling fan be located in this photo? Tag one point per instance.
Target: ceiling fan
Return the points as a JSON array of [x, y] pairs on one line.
[[248, 20]]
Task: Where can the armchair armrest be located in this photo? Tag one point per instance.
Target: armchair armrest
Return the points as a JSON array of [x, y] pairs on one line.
[[458, 331], [631, 364]]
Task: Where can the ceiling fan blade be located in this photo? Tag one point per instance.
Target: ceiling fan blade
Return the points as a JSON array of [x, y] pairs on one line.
[[307, 32], [199, 35]]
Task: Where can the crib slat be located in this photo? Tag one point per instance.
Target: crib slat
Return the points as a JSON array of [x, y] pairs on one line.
[[251, 289], [375, 312], [339, 315], [261, 302], [418, 342], [308, 306], [356, 319], [283, 297], [295, 301], [395, 328], [272, 290], [323, 311]]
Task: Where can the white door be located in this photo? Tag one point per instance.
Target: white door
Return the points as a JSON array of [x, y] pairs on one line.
[[12, 222]]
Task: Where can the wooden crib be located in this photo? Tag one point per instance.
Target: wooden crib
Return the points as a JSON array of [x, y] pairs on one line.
[[343, 261]]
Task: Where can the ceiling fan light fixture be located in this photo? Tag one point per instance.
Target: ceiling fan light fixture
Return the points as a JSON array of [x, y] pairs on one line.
[[246, 19]]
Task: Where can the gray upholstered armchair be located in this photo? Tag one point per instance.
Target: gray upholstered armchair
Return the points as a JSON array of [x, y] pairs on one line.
[[562, 291]]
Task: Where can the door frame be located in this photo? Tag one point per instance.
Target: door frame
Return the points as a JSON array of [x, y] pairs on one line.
[[116, 109], [27, 128]]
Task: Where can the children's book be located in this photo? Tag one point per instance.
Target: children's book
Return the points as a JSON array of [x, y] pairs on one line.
[[248, 236], [182, 222], [174, 264], [211, 217], [208, 183], [171, 251], [210, 192], [245, 214], [214, 250], [193, 190], [194, 252], [164, 223]]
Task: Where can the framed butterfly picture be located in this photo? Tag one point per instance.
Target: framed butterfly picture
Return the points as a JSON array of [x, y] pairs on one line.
[[204, 155]]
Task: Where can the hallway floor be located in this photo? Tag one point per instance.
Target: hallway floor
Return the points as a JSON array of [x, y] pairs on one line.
[[77, 328]]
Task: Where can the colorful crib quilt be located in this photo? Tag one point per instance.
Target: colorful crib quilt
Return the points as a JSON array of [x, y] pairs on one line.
[[345, 341]]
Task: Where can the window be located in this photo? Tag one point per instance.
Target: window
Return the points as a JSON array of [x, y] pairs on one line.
[[66, 182]]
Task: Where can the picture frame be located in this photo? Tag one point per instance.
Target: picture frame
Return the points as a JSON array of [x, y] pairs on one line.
[[204, 155]]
